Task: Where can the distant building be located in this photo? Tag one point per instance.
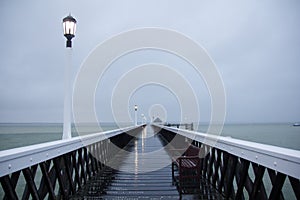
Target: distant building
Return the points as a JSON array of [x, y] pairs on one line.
[[157, 121]]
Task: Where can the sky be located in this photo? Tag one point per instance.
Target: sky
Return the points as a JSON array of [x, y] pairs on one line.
[[254, 44]]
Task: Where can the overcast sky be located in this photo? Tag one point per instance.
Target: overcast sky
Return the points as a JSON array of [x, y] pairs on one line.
[[255, 45]]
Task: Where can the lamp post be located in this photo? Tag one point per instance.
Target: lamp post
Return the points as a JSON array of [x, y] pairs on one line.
[[144, 119], [135, 114], [69, 28], [142, 115]]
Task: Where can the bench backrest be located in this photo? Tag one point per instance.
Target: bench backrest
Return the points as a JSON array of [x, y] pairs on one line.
[[192, 151]]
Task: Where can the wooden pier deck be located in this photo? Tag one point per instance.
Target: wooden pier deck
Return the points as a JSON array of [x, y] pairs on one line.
[[143, 171]]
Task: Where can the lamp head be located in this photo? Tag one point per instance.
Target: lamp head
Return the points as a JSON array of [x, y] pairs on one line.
[[69, 26]]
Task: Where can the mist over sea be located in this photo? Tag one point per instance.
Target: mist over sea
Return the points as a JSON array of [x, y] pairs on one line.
[[14, 135]]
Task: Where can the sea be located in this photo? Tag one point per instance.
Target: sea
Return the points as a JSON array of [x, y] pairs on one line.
[[14, 135], [278, 134]]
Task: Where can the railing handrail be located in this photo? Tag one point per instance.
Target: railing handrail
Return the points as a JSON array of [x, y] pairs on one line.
[[284, 160], [13, 160]]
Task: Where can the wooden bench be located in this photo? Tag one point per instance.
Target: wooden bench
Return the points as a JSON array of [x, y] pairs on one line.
[[188, 165]]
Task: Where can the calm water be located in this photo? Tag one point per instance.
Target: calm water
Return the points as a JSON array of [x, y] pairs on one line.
[[17, 135], [280, 134]]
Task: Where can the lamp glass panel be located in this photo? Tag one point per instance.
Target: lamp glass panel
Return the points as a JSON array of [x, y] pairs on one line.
[[69, 27]]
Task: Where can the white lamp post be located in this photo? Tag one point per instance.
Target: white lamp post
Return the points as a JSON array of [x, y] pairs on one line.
[[144, 119], [135, 114], [142, 115], [69, 26]]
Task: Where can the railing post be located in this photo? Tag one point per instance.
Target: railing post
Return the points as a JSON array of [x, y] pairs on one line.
[[231, 171], [223, 170], [8, 187], [210, 164], [243, 176], [205, 161], [296, 186], [217, 165], [47, 180], [93, 160], [256, 189], [58, 169], [68, 166], [97, 157], [75, 166], [277, 186], [87, 163], [29, 177], [81, 162]]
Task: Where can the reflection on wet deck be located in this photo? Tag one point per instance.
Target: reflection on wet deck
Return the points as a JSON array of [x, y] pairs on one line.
[[143, 171]]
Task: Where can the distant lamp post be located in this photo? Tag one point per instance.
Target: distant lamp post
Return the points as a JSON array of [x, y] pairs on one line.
[[142, 115], [144, 119], [69, 28], [135, 114]]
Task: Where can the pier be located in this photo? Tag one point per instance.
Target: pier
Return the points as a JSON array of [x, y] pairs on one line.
[[81, 167]]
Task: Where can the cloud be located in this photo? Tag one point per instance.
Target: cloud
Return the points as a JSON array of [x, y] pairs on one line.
[[255, 45]]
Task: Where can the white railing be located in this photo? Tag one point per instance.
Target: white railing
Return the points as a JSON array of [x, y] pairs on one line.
[[13, 160], [286, 161]]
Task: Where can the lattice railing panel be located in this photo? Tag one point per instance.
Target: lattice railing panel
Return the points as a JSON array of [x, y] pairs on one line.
[[61, 176], [238, 178]]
